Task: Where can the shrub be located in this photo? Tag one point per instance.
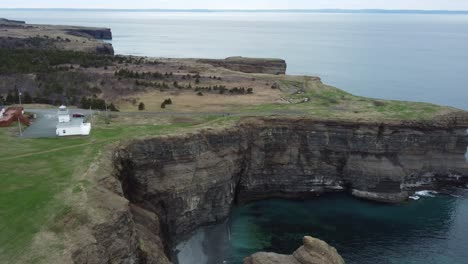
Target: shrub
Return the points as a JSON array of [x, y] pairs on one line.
[[141, 106], [378, 103], [166, 102]]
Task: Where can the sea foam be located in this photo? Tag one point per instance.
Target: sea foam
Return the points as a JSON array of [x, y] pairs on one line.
[[426, 193]]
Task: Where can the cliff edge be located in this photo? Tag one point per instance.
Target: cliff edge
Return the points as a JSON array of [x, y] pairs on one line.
[[192, 180], [314, 251], [250, 65]]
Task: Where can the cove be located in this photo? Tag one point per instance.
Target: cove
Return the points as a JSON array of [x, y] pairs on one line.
[[430, 230]]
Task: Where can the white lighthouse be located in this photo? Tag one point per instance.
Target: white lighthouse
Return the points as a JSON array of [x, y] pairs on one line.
[[71, 126], [63, 114]]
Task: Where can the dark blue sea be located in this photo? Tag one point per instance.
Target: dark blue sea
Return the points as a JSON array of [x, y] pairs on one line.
[[417, 57]]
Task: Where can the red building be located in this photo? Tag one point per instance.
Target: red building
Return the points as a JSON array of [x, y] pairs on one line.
[[13, 114]]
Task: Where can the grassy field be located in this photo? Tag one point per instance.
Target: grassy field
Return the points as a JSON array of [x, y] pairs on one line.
[[301, 95], [35, 172], [318, 100]]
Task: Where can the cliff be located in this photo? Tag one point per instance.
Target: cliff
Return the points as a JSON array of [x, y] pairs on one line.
[[249, 65], [97, 33], [19, 35], [190, 181], [314, 251]]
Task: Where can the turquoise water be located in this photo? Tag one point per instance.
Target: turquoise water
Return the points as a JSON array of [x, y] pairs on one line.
[[394, 56], [432, 230]]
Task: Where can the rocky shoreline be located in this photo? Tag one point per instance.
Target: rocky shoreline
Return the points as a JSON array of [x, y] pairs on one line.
[[176, 184]]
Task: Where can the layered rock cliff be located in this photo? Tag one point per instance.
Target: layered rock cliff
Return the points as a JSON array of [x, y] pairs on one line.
[[314, 251], [250, 65], [193, 180]]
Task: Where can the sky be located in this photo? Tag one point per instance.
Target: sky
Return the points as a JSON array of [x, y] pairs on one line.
[[241, 4]]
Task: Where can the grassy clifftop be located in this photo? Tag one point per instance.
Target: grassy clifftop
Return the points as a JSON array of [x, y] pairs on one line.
[[68, 77]]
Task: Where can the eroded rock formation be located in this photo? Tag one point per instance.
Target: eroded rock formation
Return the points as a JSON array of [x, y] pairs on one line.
[[250, 65], [314, 251], [193, 180]]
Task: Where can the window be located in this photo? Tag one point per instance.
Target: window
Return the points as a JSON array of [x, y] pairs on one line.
[[64, 131]]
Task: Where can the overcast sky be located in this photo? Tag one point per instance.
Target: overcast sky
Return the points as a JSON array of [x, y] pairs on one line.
[[241, 4]]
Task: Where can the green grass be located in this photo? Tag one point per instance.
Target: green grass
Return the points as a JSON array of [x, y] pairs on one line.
[[322, 101], [34, 172]]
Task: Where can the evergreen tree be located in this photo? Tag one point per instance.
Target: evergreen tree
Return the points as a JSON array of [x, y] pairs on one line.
[[27, 98], [10, 99], [85, 103], [112, 108], [141, 106]]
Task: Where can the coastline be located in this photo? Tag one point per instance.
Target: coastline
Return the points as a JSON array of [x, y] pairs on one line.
[[152, 190]]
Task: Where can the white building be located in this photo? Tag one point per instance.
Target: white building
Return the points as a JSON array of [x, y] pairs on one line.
[[68, 126], [63, 114]]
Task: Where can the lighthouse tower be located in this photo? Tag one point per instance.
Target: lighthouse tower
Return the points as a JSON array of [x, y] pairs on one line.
[[63, 114]]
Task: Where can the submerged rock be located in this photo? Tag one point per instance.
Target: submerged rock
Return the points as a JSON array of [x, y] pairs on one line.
[[314, 251]]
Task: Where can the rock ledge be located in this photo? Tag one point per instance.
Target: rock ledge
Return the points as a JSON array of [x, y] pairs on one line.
[[314, 251]]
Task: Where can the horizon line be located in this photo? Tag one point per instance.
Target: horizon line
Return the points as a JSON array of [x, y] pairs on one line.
[[322, 10]]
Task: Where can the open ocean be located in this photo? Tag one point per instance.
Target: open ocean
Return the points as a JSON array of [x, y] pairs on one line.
[[417, 57]]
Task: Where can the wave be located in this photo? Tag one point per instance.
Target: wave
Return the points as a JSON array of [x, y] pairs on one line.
[[426, 193]]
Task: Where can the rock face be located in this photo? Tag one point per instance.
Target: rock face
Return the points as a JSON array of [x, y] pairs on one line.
[[189, 181], [250, 65], [97, 33], [314, 251]]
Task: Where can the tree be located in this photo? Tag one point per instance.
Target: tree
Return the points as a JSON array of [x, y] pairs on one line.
[[27, 98], [166, 102], [85, 104], [141, 106], [10, 98], [112, 108]]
